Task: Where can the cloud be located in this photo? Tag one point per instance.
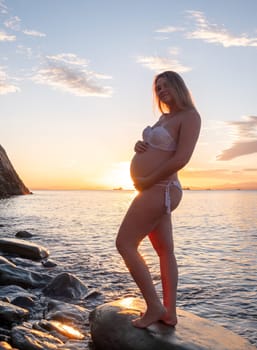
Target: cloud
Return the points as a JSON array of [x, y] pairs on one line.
[[159, 64], [69, 58], [5, 86], [6, 37], [34, 33], [13, 23], [246, 139], [3, 7], [169, 29], [70, 73], [212, 33]]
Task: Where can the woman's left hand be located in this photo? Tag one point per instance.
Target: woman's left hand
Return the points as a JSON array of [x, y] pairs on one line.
[[142, 183]]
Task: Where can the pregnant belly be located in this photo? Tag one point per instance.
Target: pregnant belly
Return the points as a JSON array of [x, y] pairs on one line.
[[145, 163]]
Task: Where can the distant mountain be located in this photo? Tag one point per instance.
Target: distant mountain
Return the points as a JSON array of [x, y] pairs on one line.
[[10, 183]]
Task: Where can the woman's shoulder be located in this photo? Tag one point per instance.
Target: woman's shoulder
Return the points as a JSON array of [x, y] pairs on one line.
[[190, 114]]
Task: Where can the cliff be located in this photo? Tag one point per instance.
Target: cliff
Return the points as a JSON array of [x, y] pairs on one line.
[[10, 183]]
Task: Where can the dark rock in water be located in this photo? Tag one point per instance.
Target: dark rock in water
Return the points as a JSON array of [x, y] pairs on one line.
[[48, 263], [65, 312], [31, 339], [15, 275], [92, 294], [111, 328], [66, 285], [11, 313], [10, 183], [23, 234], [23, 248], [5, 334], [23, 301]]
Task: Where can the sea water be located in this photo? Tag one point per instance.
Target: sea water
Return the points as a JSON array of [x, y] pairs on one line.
[[215, 234]]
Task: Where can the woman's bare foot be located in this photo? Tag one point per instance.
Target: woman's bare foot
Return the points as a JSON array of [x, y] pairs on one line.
[[149, 317]]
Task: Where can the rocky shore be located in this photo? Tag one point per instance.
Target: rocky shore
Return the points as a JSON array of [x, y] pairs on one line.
[[39, 310], [45, 308], [10, 182]]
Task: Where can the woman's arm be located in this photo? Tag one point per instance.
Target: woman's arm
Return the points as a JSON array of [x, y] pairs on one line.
[[188, 136]]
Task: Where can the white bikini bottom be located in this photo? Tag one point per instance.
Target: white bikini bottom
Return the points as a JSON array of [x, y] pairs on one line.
[[168, 184]]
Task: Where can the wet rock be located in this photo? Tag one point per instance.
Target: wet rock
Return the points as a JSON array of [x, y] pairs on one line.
[[31, 339], [10, 313], [64, 329], [5, 334], [23, 234], [23, 248], [65, 285], [48, 263], [6, 261], [66, 312], [23, 301], [10, 182], [111, 328], [6, 346], [10, 274], [12, 292], [93, 294]]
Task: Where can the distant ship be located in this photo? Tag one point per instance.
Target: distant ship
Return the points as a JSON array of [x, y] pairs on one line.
[[118, 189]]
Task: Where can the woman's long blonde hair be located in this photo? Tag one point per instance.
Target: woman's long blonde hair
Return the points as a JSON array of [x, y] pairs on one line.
[[181, 94]]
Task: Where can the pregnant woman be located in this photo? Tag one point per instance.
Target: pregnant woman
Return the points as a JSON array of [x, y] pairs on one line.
[[166, 148]]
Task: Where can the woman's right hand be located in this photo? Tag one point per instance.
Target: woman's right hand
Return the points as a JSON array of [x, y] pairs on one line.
[[140, 146]]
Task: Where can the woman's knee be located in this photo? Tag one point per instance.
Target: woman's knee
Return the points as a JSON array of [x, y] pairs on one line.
[[120, 244], [123, 245]]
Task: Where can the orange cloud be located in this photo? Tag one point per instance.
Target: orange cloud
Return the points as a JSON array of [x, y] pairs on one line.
[[246, 142]]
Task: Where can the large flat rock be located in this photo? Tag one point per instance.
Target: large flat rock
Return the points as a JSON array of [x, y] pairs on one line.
[[111, 329]]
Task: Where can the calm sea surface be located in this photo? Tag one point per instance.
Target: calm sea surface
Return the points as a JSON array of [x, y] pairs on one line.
[[215, 236]]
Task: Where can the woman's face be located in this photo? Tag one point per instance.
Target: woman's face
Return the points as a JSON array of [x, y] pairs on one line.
[[164, 91]]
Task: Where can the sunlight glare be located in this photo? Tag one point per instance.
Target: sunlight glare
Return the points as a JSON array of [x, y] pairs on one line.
[[118, 176]]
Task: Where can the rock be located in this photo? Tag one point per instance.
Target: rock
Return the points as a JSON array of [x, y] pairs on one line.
[[61, 328], [10, 313], [49, 263], [111, 328], [13, 292], [10, 183], [23, 301], [6, 346], [31, 339], [6, 261], [5, 334], [92, 294], [65, 285], [65, 312], [15, 275], [23, 248], [23, 234]]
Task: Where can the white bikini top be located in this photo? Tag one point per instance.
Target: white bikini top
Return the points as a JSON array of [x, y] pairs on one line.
[[159, 137]]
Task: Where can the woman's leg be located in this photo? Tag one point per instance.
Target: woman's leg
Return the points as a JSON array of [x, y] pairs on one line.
[[162, 241], [142, 216]]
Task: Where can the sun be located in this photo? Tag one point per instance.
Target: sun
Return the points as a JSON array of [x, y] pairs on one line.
[[118, 176]]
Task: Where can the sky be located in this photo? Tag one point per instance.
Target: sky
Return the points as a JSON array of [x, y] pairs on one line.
[[76, 87]]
